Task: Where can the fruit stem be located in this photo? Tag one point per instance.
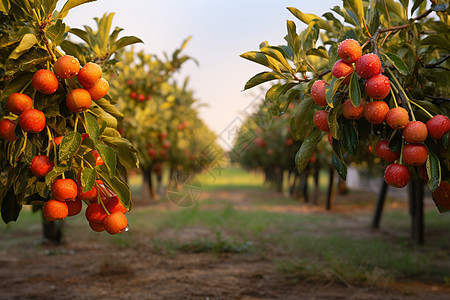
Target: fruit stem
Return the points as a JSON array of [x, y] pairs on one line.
[[423, 109], [405, 97], [84, 160], [99, 199], [76, 122], [52, 140], [401, 152], [395, 99], [311, 67], [25, 87]]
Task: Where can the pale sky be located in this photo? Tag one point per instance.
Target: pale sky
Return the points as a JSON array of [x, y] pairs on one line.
[[220, 30]]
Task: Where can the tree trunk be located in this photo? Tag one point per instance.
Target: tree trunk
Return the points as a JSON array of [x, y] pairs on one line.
[[52, 230], [380, 204], [330, 194], [147, 186], [416, 209]]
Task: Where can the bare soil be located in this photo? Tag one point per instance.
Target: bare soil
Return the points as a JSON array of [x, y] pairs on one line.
[[82, 269]]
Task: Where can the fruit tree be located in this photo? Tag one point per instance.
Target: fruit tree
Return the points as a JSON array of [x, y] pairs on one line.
[[375, 73], [59, 145]]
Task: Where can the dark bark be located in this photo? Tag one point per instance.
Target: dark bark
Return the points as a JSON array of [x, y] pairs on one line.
[[379, 206]]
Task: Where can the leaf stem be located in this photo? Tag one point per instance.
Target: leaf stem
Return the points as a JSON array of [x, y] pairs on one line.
[[423, 109], [402, 93]]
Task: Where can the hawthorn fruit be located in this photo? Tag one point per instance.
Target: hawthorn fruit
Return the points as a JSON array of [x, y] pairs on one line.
[[368, 65], [99, 90], [378, 86], [78, 100], [41, 165], [415, 132], [7, 128], [74, 207], [115, 223], [353, 113], [342, 69], [32, 120], [375, 112], [349, 50], [438, 126], [318, 92], [415, 154], [97, 227], [397, 118], [64, 189], [66, 67], [384, 152], [397, 175], [45, 81], [320, 120], [55, 210], [89, 75], [17, 103], [95, 213]]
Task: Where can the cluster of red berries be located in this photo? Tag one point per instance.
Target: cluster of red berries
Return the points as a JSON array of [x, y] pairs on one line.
[[161, 153], [104, 212], [377, 87]]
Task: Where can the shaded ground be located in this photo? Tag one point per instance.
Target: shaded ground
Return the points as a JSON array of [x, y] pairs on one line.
[[167, 264]]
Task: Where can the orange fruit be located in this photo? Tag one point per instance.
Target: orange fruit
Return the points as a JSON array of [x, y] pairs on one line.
[[115, 223], [55, 210]]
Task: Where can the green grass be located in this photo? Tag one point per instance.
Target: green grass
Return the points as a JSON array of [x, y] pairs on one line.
[[302, 246]]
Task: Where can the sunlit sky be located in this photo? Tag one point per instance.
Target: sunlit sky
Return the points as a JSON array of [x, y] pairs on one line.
[[220, 30]]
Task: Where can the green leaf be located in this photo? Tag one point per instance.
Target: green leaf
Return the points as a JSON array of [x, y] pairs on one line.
[[265, 60], [349, 136], [27, 41], [433, 166], [69, 146], [333, 123], [277, 54], [301, 111], [56, 32], [437, 41], [87, 179], [416, 5], [69, 5], [307, 149], [125, 41], [332, 89], [308, 18], [263, 77], [292, 38], [10, 207], [43, 189], [345, 15], [92, 126], [55, 172], [124, 150], [109, 157], [340, 166], [355, 92], [404, 3], [117, 185], [5, 6], [356, 6], [397, 63], [321, 52]]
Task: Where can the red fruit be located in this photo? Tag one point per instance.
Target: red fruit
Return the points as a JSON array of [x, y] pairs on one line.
[[99, 90], [98, 159], [64, 189], [320, 119], [318, 92], [130, 82], [133, 95], [89, 75], [113, 204], [342, 69], [7, 128], [17, 103], [378, 86], [397, 175], [349, 50], [163, 135], [368, 65], [289, 142], [78, 100], [330, 139], [32, 120], [385, 153], [141, 97], [97, 227], [375, 112], [41, 165], [55, 210], [45, 81], [58, 140], [438, 126], [422, 172], [74, 207], [397, 118], [442, 196], [166, 145], [151, 152], [66, 66], [95, 213], [415, 132], [351, 112], [415, 154], [115, 223]]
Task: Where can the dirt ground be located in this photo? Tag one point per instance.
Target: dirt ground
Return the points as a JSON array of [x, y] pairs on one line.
[[89, 270]]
